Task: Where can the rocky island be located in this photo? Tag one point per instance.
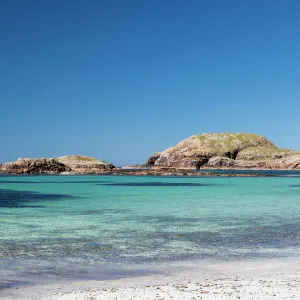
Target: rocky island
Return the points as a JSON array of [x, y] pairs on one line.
[[208, 151], [240, 151], [72, 164]]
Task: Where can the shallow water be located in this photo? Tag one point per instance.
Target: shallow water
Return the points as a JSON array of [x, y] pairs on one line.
[[81, 227]]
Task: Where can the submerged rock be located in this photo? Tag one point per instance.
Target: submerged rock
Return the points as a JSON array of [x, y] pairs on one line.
[[175, 172]]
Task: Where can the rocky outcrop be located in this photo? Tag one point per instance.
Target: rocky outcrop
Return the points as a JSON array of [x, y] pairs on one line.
[[263, 153], [152, 159], [290, 162], [85, 165], [227, 151], [176, 172], [35, 166], [61, 165]]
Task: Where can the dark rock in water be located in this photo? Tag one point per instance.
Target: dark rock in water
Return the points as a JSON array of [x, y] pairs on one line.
[[174, 172]]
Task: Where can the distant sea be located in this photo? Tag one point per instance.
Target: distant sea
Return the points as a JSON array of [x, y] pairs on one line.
[[102, 227]]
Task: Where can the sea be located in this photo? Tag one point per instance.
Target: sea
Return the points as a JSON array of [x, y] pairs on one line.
[[56, 228]]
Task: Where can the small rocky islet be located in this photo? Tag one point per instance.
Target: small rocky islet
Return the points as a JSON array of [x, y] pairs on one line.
[[241, 151], [71, 164], [208, 151]]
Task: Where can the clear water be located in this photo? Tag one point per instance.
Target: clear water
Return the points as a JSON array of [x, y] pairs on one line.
[[54, 227]]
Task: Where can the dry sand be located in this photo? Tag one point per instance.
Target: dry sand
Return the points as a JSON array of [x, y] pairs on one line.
[[267, 279]]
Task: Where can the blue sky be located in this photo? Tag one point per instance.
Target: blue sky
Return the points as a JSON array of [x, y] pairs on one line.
[[119, 80]]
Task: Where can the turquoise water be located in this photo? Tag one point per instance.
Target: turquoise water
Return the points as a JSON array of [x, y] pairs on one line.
[[55, 227]]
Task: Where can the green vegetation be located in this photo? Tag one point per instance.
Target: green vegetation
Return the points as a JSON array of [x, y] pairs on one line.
[[80, 158], [201, 138], [230, 143], [252, 153]]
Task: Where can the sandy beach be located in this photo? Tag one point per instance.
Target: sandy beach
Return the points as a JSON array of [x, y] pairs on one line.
[[267, 279]]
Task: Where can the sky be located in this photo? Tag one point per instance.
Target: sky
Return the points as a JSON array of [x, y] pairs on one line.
[[119, 80]]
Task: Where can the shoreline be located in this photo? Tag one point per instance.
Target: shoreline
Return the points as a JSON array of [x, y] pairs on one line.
[[172, 172], [249, 279]]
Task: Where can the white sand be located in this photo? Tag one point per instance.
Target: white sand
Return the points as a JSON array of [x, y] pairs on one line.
[[268, 279]]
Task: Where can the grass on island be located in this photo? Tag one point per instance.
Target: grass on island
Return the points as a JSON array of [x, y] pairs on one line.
[[229, 142], [80, 158]]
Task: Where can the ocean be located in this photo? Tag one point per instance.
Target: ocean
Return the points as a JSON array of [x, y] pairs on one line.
[[104, 227]]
